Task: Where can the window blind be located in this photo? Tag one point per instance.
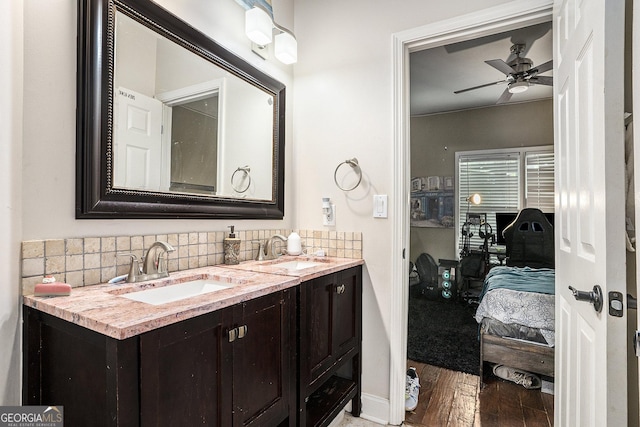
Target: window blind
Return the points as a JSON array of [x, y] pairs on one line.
[[539, 181], [496, 177], [507, 180]]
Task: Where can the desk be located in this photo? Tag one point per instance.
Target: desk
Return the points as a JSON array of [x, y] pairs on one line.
[[500, 252], [476, 265]]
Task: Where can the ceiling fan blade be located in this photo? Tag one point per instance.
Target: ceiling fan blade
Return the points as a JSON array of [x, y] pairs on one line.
[[502, 66], [542, 80], [506, 96], [544, 67], [481, 86]]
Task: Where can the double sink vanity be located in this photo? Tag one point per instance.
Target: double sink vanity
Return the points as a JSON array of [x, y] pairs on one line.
[[263, 343]]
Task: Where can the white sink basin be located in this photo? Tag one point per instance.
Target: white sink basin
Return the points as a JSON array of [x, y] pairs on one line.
[[297, 265], [171, 293]]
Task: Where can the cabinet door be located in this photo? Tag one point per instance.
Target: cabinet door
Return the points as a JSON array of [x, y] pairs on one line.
[[347, 316], [262, 365], [316, 326], [93, 376], [185, 373], [330, 320]]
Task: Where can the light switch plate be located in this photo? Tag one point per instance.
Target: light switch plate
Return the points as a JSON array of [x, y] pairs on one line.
[[380, 206]]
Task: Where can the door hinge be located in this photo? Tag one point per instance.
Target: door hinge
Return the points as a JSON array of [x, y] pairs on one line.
[[636, 343]]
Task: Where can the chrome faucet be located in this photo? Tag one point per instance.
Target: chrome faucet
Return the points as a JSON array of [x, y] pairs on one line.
[[154, 264], [269, 253]]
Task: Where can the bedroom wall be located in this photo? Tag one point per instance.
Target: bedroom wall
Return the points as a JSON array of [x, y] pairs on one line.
[[436, 138]]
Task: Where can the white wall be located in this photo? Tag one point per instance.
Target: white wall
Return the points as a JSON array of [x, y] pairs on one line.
[[343, 109], [11, 51]]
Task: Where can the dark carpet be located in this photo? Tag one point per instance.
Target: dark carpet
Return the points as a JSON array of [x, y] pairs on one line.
[[443, 333]]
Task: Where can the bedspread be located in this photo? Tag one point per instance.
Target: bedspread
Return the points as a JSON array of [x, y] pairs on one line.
[[527, 279], [532, 309]]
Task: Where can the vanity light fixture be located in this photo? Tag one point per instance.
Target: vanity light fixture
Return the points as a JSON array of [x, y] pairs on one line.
[[259, 27], [286, 48]]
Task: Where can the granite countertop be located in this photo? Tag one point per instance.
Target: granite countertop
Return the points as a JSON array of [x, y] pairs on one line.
[[101, 308], [325, 265]]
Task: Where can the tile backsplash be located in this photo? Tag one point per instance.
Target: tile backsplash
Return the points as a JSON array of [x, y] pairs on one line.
[[91, 260]]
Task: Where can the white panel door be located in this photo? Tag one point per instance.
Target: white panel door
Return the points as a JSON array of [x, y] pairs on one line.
[[590, 247], [137, 141]]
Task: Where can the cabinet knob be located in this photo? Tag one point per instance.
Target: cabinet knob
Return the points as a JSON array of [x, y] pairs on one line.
[[233, 334], [340, 289]]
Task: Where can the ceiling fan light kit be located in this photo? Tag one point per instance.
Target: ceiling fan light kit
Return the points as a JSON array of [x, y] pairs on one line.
[[520, 74], [518, 87]]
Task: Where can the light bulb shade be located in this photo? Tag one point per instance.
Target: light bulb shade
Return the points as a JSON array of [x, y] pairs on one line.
[[286, 48], [518, 87], [474, 199], [258, 26]]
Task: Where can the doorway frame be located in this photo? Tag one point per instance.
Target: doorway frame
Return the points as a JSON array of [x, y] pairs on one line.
[[485, 22]]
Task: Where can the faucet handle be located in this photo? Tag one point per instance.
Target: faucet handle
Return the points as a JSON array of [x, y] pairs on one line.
[[133, 256], [260, 256], [134, 267]]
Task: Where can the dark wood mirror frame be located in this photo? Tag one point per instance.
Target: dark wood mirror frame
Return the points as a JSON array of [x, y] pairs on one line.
[[95, 196]]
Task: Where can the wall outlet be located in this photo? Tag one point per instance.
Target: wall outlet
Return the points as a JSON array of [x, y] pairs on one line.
[[329, 219]]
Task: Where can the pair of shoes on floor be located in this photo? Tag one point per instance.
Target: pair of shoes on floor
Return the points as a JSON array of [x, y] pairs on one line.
[[411, 390], [526, 379]]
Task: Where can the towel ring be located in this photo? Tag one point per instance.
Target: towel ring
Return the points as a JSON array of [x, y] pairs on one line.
[[245, 170], [355, 166]]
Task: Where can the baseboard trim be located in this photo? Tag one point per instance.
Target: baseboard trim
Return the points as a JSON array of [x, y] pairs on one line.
[[374, 409]]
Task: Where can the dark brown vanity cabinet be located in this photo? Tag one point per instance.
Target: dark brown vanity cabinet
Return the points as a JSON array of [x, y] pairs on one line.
[[230, 367], [184, 369], [329, 361], [263, 357], [234, 366]]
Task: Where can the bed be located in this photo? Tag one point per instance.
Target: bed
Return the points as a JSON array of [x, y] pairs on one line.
[[516, 312]]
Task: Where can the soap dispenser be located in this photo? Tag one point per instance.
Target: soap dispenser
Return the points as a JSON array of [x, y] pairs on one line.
[[294, 245], [231, 246]]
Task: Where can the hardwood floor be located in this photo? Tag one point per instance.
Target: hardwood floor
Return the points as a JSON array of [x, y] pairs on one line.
[[451, 399]]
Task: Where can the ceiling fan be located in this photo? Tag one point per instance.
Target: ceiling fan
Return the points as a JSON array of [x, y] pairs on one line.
[[520, 74]]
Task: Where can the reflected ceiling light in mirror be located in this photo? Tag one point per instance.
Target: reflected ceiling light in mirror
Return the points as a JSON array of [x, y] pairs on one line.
[[259, 28]]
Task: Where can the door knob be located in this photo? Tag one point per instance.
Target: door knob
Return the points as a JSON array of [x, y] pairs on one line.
[[594, 296]]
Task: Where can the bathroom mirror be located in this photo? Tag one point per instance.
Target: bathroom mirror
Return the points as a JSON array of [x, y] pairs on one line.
[[169, 123]]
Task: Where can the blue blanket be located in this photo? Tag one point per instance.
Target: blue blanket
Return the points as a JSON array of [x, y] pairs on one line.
[[526, 279]]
